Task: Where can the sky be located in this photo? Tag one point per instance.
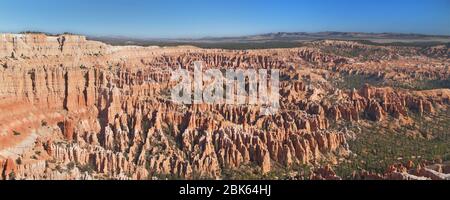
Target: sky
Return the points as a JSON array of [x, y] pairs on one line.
[[215, 18]]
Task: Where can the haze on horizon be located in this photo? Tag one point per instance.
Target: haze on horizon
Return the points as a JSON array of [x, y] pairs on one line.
[[202, 18]]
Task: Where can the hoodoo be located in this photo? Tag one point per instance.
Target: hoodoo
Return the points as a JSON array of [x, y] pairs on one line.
[[72, 108]]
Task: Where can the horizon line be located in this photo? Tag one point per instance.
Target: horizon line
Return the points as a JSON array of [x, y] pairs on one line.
[[212, 37]]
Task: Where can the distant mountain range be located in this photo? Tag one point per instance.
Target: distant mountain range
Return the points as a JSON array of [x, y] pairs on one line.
[[291, 37]]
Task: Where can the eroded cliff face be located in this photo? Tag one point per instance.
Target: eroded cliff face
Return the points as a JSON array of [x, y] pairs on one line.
[[78, 109]]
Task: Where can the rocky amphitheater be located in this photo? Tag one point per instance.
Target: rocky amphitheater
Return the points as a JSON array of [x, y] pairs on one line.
[[71, 108]]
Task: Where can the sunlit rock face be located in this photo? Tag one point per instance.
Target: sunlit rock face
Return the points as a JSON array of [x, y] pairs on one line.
[[71, 108]]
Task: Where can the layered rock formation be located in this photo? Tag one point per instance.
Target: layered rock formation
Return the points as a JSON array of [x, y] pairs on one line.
[[78, 109]]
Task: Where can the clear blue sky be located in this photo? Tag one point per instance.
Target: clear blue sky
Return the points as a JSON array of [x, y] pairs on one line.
[[198, 18]]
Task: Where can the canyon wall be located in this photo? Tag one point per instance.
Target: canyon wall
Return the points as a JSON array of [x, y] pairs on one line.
[[78, 109]]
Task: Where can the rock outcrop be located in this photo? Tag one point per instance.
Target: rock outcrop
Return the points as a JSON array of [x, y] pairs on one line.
[[95, 111]]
